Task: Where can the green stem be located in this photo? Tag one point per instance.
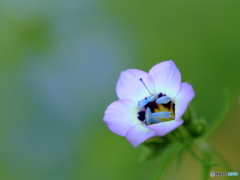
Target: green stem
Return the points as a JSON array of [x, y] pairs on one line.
[[206, 155], [167, 156]]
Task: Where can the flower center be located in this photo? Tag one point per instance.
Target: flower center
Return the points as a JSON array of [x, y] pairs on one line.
[[155, 108], [153, 112]]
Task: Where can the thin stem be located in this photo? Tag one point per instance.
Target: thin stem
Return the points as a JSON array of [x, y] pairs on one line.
[[206, 155]]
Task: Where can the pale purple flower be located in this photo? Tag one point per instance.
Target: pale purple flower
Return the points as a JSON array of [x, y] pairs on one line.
[[150, 104]]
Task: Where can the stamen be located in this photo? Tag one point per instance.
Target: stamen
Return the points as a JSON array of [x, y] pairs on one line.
[[149, 119], [151, 98], [162, 115], [148, 113], [145, 86], [163, 100], [154, 121], [142, 103]]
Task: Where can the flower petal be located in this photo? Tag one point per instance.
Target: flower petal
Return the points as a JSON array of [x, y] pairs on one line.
[[184, 96], [130, 87], [138, 134], [167, 78], [121, 115], [163, 128]]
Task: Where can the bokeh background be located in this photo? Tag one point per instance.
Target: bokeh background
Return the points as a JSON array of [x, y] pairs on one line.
[[59, 64]]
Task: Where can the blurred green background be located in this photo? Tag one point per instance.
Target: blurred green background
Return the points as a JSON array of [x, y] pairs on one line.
[[59, 64]]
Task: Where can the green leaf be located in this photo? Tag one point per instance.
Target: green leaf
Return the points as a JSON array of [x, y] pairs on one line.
[[223, 112], [167, 155]]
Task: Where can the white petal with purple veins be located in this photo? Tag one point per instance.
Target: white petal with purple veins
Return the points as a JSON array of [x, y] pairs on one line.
[[138, 134], [184, 96], [167, 78], [163, 128], [130, 87], [120, 116]]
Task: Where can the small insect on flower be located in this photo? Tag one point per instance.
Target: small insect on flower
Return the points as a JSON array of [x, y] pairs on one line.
[[150, 104]]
